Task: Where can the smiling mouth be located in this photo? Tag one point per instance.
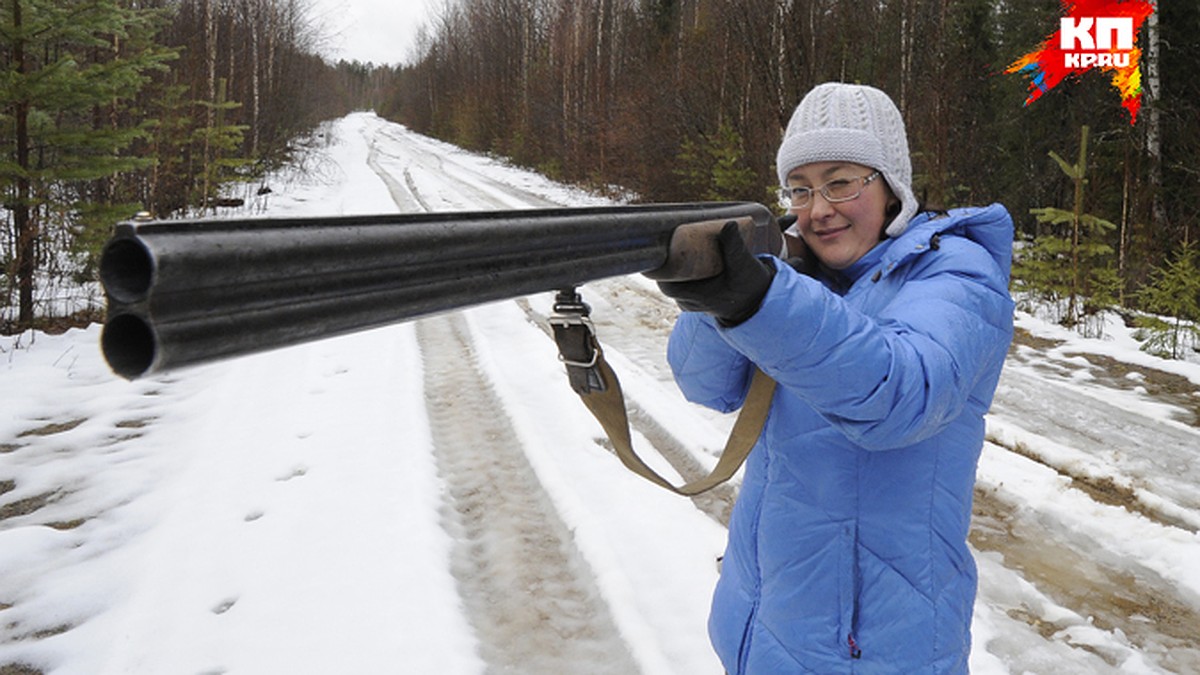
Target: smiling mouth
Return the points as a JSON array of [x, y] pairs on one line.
[[832, 232]]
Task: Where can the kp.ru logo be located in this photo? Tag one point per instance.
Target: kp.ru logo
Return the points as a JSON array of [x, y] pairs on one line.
[[1092, 34], [1074, 36]]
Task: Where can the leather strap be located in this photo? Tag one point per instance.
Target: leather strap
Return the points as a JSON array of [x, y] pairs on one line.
[[598, 387]]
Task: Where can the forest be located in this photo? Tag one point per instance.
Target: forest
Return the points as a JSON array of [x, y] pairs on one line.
[[113, 107], [664, 100]]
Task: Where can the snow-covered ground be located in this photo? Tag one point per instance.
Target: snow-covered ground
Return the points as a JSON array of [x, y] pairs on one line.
[[432, 498]]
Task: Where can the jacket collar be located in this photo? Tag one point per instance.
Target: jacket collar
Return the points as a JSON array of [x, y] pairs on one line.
[[989, 226], [841, 280]]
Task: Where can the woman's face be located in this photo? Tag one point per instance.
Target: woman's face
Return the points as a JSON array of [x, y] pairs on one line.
[[840, 233]]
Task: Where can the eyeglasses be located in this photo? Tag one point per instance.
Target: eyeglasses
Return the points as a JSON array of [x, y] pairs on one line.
[[835, 191]]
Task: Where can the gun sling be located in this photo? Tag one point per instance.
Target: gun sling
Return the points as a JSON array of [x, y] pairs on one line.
[[598, 387]]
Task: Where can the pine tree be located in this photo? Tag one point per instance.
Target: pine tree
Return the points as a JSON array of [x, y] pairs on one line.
[[1069, 265], [1173, 292], [716, 169], [69, 69], [220, 141]]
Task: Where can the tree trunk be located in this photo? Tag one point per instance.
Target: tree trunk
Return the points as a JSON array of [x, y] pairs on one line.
[[1080, 180], [906, 57], [255, 95], [210, 62], [1123, 237], [23, 220], [1153, 122]]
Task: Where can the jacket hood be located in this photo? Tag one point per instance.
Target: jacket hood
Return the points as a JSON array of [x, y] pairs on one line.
[[989, 226]]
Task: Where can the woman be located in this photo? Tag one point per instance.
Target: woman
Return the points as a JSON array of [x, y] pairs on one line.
[[847, 546]]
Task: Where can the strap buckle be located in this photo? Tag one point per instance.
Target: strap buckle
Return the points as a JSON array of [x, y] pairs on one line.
[[566, 323], [575, 335]]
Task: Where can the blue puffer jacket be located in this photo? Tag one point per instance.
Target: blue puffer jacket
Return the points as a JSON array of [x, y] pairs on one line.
[[847, 546]]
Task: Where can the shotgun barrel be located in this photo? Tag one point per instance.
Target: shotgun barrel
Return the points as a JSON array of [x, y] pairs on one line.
[[184, 292]]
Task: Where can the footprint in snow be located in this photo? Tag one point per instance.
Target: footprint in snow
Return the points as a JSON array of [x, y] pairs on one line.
[[295, 473], [224, 606]]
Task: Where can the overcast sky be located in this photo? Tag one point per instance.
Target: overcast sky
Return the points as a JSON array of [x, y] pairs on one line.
[[377, 31]]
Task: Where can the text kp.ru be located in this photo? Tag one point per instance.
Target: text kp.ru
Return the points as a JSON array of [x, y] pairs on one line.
[[1088, 41]]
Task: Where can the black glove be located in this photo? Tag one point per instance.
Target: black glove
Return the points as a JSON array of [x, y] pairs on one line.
[[735, 294]]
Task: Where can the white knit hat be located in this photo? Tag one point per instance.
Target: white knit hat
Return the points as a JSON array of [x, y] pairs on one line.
[[851, 123]]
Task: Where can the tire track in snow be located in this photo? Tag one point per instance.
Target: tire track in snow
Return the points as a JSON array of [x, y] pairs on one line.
[[405, 197], [1152, 455], [1113, 594], [483, 191], [1124, 459], [528, 592]]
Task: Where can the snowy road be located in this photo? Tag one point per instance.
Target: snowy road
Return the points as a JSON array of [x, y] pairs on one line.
[[431, 497]]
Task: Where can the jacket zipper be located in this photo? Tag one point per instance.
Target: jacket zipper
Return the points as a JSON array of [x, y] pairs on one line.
[[854, 590], [855, 574], [748, 631], [855, 650]]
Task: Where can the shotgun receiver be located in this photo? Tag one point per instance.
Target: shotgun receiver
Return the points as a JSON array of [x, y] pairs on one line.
[[186, 292]]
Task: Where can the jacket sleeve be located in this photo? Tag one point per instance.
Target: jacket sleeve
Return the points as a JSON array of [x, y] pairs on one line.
[[707, 369], [902, 374]]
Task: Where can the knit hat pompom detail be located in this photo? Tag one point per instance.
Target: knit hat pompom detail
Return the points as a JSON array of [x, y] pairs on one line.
[[838, 122]]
